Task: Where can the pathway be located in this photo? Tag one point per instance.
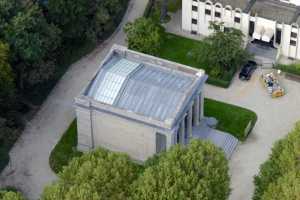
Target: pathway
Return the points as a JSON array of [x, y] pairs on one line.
[[276, 117]]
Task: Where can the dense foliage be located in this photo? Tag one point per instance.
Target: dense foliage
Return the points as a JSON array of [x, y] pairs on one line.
[[199, 171], [144, 35], [36, 39], [222, 51], [98, 175], [9, 195], [280, 173]]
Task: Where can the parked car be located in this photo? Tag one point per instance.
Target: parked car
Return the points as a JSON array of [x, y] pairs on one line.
[[247, 70]]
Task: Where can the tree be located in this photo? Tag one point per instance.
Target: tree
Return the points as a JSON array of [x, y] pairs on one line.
[[222, 50], [144, 35], [70, 16], [287, 187], [283, 159], [32, 41], [8, 195], [199, 171], [8, 9], [97, 175], [7, 84]]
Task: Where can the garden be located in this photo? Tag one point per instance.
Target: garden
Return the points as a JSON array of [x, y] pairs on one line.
[[221, 54]]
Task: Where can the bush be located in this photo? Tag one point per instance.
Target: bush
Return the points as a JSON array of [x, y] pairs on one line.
[[199, 171], [96, 175], [287, 187], [144, 35], [284, 158], [9, 195], [293, 69]]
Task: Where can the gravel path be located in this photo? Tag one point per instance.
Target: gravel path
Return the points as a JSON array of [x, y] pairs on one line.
[[29, 170], [276, 117]]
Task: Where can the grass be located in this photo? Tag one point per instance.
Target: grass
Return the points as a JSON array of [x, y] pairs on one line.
[[65, 149], [232, 119], [292, 69], [180, 49]]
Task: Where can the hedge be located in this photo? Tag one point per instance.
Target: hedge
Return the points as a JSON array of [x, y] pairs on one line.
[[293, 68]]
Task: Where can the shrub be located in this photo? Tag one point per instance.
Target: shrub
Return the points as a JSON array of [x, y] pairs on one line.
[[144, 35], [199, 171], [284, 158], [287, 187], [293, 69], [9, 195], [96, 175]]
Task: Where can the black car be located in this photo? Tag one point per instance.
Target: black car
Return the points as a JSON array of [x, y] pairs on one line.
[[247, 70]]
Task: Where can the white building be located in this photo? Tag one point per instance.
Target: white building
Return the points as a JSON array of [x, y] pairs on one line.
[[268, 22]]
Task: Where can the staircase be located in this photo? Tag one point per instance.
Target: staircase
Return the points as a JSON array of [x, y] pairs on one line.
[[225, 141]]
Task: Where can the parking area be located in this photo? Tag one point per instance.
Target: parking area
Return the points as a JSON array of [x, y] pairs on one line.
[[276, 117]]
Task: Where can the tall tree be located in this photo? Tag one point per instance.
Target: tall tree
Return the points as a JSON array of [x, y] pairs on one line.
[[7, 84], [144, 35], [97, 175], [222, 49], [32, 40], [198, 171]]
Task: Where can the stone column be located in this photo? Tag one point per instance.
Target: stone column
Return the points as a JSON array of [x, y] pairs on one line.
[[182, 132], [196, 108], [201, 99], [190, 123]]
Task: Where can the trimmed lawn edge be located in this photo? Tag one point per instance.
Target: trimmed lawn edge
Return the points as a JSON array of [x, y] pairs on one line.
[[65, 150], [232, 119]]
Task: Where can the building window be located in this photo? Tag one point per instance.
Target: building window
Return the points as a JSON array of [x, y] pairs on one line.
[[226, 29], [237, 20], [207, 12], [278, 36], [217, 14], [194, 32], [195, 0], [194, 8], [218, 6], [228, 8], [293, 35], [194, 21], [293, 43]]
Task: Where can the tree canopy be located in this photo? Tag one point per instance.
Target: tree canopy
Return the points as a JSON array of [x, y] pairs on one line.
[[198, 171], [144, 35], [97, 175], [223, 50], [284, 159], [9, 195]]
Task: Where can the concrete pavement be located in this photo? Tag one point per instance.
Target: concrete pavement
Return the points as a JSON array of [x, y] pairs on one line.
[[28, 169], [276, 117]]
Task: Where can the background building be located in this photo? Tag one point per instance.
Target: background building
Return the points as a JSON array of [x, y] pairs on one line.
[[271, 23], [139, 104]]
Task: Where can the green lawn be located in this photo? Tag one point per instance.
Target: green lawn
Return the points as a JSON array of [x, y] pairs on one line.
[[232, 119], [180, 49], [65, 149]]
